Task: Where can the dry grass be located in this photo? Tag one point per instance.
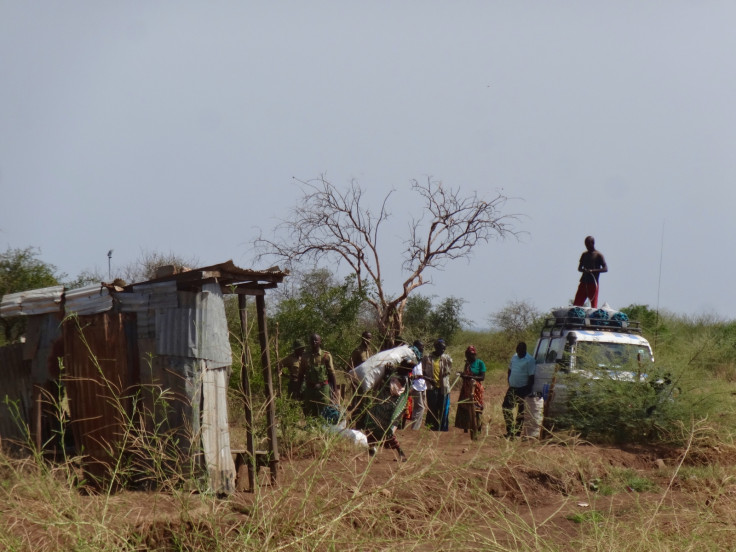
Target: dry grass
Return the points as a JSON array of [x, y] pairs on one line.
[[453, 494]]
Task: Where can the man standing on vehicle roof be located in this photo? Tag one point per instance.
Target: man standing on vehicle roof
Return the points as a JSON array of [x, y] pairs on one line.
[[591, 264]]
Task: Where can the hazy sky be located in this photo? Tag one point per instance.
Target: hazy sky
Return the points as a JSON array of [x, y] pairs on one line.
[[179, 126]]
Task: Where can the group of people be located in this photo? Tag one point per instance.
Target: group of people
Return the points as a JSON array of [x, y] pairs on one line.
[[415, 394], [411, 395]]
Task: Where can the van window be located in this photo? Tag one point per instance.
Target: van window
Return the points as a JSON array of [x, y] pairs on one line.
[[556, 349], [617, 356], [542, 350]]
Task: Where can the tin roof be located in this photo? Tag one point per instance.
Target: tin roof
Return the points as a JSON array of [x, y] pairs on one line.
[[151, 294], [92, 299], [34, 301], [232, 279], [149, 297]]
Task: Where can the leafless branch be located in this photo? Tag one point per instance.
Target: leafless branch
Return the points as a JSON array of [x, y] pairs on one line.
[[334, 224]]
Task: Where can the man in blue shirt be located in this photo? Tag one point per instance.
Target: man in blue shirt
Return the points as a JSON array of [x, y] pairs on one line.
[[521, 379]]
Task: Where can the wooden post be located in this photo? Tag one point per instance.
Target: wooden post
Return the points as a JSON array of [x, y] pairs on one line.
[[278, 358], [245, 384], [37, 418], [270, 403]]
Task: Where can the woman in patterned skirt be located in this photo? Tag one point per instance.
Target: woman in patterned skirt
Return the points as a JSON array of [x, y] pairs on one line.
[[470, 403]]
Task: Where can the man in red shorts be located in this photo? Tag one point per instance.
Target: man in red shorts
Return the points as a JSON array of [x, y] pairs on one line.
[[592, 264]]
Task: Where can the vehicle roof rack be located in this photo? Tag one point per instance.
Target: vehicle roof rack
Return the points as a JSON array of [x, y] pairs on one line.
[[556, 325]]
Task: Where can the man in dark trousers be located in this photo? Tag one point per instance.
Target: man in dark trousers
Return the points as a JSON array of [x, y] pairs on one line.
[[436, 368], [591, 264], [521, 380]]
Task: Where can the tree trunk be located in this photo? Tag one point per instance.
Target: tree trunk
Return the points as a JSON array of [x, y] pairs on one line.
[[390, 325]]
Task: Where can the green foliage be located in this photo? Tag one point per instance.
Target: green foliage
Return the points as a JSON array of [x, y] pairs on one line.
[[291, 434], [427, 321], [324, 306], [654, 325], [608, 409], [446, 318], [648, 318], [626, 480], [519, 321], [21, 270], [251, 344], [416, 316], [494, 348]]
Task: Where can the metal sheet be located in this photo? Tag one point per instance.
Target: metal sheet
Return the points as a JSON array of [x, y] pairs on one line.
[[145, 301], [216, 432], [97, 380], [176, 331], [16, 394], [146, 325], [149, 297], [196, 329], [88, 300], [214, 344], [35, 301], [44, 346]]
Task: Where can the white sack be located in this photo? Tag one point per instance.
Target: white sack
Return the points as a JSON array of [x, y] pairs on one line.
[[533, 417], [368, 374], [358, 438]]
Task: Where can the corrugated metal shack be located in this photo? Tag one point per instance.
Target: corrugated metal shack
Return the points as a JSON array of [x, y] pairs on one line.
[[153, 355]]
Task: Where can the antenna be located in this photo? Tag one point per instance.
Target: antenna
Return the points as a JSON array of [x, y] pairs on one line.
[[659, 286], [109, 264]]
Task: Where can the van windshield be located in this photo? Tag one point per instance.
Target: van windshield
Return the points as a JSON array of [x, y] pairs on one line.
[[613, 356]]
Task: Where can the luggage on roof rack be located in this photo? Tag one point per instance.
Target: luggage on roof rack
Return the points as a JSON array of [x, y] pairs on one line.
[[624, 326]]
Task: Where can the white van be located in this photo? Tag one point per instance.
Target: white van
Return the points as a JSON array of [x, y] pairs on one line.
[[588, 343]]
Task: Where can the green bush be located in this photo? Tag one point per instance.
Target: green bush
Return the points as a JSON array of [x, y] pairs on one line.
[[606, 409]]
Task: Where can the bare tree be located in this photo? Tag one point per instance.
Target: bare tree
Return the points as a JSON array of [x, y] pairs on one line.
[[328, 223], [516, 318]]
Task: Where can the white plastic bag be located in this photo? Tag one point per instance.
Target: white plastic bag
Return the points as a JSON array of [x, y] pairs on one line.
[[533, 417], [358, 438], [368, 374]]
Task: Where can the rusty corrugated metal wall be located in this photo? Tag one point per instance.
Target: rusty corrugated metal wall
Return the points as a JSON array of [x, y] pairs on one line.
[[23, 365], [100, 380], [43, 346], [17, 389]]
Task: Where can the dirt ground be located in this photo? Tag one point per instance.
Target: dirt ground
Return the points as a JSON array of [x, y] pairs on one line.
[[527, 483], [537, 489], [549, 485]]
